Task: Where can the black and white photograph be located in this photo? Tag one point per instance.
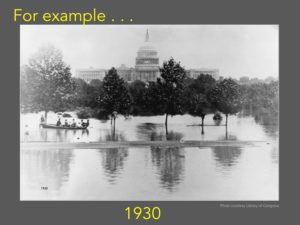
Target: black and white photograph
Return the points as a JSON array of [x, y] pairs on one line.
[[149, 112]]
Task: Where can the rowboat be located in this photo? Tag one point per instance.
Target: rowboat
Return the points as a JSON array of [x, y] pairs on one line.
[[53, 126]]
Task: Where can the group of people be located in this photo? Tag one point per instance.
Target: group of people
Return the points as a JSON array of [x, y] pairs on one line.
[[82, 124]]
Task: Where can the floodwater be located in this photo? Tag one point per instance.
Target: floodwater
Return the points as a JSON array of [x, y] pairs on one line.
[[152, 173], [152, 128]]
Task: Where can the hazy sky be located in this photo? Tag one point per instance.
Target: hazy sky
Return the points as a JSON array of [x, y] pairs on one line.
[[236, 50]]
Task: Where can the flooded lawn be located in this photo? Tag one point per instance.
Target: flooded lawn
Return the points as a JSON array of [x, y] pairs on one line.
[[152, 173], [151, 128]]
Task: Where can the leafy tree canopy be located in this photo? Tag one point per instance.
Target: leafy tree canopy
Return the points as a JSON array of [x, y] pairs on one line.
[[46, 82], [114, 96], [172, 87], [197, 100], [226, 97]]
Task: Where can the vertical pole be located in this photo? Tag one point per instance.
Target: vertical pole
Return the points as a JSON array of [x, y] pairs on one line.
[[166, 125], [46, 113], [202, 125], [114, 124], [226, 126]]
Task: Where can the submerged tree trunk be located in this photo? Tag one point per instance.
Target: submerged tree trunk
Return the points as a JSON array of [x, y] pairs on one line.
[[202, 124], [114, 127], [46, 114], [226, 136], [166, 125]]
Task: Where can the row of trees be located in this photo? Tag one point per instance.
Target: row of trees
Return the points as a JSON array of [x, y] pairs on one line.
[[170, 95], [47, 85], [261, 97]]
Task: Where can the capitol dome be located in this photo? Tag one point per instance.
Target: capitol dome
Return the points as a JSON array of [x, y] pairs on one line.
[[147, 61], [147, 50]]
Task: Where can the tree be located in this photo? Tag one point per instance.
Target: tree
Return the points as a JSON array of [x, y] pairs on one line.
[[261, 97], [114, 97], [46, 82], [137, 91], [80, 93], [197, 100], [26, 98], [96, 83], [153, 99], [200, 106], [172, 89], [93, 92], [226, 97]]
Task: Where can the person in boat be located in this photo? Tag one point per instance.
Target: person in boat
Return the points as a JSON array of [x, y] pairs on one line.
[[66, 123], [84, 125], [87, 123], [58, 123], [73, 123]]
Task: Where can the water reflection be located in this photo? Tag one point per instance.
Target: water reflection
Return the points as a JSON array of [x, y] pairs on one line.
[[150, 131], [151, 173], [113, 162], [174, 136], [226, 156], [62, 135], [156, 132], [269, 121], [113, 136], [228, 135], [46, 168], [170, 164], [217, 122], [275, 153]]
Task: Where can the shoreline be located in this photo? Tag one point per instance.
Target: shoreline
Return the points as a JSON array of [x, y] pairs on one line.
[[122, 144]]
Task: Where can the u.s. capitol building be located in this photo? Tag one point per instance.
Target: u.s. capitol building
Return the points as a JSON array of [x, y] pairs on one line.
[[146, 67]]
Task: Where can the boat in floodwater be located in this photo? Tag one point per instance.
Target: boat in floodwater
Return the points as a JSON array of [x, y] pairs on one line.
[[53, 126]]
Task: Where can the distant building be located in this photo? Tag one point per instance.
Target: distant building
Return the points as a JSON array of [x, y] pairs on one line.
[[90, 74], [248, 81], [146, 67], [126, 73], [194, 73]]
